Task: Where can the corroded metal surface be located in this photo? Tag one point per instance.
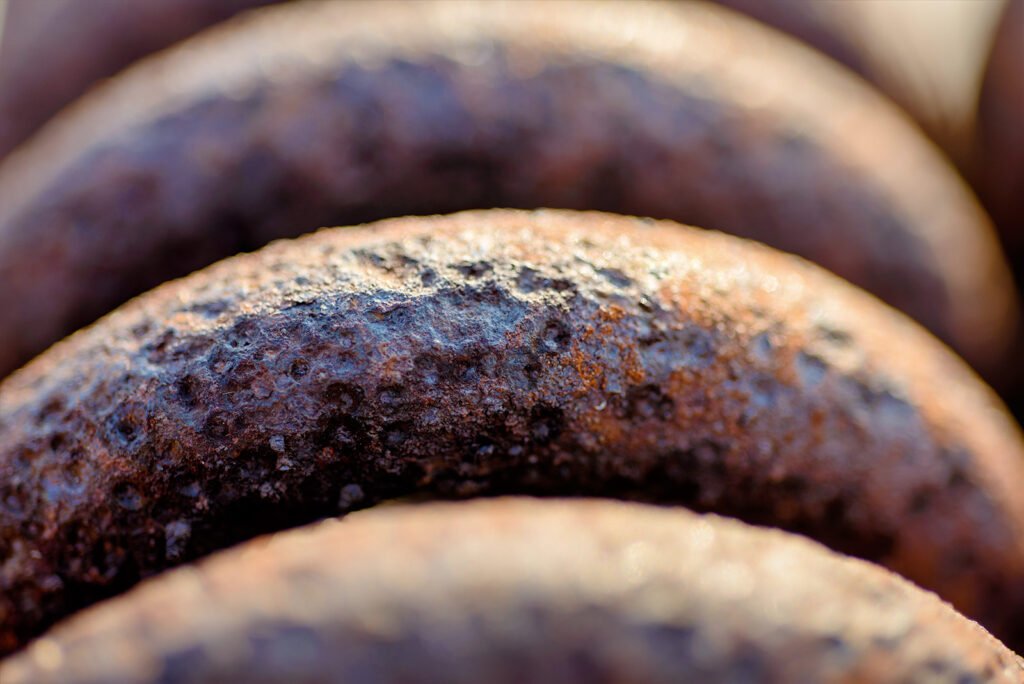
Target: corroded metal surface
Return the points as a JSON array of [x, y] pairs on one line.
[[53, 51], [491, 352], [519, 590], [331, 114], [1000, 162]]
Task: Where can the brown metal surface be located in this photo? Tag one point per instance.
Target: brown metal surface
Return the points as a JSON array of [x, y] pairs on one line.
[[1000, 162], [494, 352], [522, 591], [337, 113], [52, 51]]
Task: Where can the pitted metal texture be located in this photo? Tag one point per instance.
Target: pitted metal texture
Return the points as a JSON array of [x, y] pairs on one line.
[[338, 113], [501, 352]]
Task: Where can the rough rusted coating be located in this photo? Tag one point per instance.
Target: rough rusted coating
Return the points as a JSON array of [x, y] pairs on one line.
[[1000, 162], [522, 591], [53, 51], [326, 114], [491, 352]]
